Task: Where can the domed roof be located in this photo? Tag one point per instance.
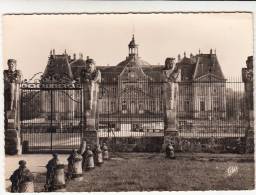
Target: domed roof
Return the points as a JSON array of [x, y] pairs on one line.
[[133, 61]]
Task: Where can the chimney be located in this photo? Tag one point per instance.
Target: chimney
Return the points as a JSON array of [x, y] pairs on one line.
[[184, 54], [53, 53], [65, 52], [210, 51], [179, 58], [74, 56], [80, 55]]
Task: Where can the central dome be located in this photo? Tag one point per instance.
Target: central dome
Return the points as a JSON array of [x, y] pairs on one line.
[[133, 58], [133, 61]]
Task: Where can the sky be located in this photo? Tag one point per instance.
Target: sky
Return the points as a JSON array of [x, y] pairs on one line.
[[105, 38]]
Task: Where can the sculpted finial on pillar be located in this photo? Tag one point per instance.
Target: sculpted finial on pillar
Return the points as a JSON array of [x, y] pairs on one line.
[[91, 77], [170, 72], [12, 77]]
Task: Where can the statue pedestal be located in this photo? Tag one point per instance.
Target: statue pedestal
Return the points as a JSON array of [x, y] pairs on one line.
[[12, 135], [170, 131], [249, 148], [91, 138], [90, 134]]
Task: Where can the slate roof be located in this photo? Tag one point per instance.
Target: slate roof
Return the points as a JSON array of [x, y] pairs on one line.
[[197, 66], [77, 66], [111, 73], [58, 65], [187, 67], [207, 63]]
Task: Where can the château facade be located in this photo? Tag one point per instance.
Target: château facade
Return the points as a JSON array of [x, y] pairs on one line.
[[202, 90], [131, 93]]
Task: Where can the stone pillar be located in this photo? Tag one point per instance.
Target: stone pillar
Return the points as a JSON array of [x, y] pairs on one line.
[[12, 79], [247, 75], [170, 130], [90, 79], [170, 88]]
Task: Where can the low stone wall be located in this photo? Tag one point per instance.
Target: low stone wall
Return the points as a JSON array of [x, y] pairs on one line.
[[154, 144], [134, 144]]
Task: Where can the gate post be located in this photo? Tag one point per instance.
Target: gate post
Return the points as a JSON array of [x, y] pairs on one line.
[[12, 79], [170, 88], [247, 75], [90, 79]]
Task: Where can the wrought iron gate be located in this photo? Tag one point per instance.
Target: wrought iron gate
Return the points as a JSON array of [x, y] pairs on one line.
[[51, 116]]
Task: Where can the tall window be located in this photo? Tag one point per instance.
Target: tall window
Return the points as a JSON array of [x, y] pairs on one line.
[[152, 105], [124, 107], [161, 106], [215, 105], [141, 109], [202, 106], [112, 106], [186, 106], [104, 105], [133, 108]]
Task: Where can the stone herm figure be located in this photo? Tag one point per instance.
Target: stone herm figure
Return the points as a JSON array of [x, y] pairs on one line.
[[91, 77], [22, 179], [75, 166], [169, 151], [55, 177], [98, 156], [12, 77], [105, 153], [88, 161]]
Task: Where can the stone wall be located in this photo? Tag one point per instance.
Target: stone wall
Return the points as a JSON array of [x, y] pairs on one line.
[[133, 144], [154, 144]]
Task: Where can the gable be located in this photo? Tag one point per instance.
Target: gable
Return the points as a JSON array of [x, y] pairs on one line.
[[132, 74], [210, 78]]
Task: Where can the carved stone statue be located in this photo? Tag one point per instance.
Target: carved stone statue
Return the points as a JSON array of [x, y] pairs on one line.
[[12, 77], [169, 152], [75, 166], [91, 77], [169, 63], [247, 75], [55, 176], [170, 76], [22, 179], [170, 72]]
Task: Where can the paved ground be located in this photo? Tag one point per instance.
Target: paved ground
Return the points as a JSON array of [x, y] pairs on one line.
[[35, 162]]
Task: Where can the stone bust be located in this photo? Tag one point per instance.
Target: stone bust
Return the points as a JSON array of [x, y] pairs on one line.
[[12, 77]]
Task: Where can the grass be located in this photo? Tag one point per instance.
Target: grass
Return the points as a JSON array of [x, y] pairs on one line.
[[152, 172]]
